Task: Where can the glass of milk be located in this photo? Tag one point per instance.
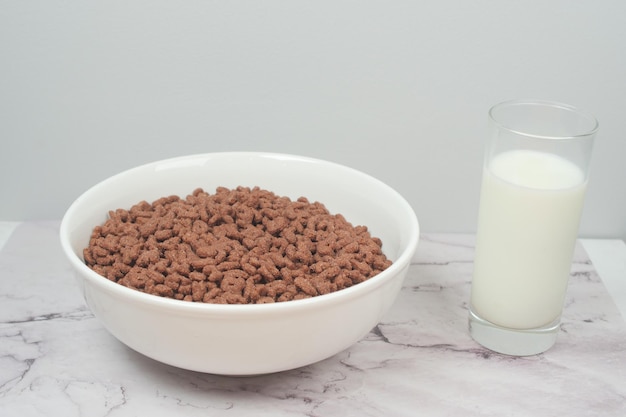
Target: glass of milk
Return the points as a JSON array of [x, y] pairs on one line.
[[535, 175]]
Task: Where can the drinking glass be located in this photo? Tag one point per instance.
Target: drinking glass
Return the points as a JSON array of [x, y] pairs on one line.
[[535, 174]]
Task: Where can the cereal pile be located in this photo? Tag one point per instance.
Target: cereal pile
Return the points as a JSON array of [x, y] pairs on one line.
[[239, 246]]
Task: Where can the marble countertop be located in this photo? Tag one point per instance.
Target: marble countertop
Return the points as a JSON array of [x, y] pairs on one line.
[[57, 359]]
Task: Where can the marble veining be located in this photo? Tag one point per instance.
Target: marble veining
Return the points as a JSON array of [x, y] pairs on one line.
[[57, 359]]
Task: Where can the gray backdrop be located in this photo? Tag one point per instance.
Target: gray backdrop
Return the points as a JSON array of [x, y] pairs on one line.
[[398, 89]]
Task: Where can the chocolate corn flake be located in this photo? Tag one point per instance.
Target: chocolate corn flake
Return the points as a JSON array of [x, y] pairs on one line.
[[239, 246]]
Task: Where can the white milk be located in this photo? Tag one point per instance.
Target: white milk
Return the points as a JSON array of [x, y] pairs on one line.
[[530, 209]]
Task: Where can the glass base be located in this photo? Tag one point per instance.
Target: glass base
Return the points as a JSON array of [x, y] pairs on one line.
[[512, 342]]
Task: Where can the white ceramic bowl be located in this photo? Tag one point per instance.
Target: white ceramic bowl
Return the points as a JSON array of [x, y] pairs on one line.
[[245, 339]]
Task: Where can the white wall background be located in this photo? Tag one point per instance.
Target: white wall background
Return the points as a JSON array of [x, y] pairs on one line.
[[398, 89]]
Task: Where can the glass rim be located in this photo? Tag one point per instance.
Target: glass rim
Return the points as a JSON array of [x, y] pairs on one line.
[[545, 103]]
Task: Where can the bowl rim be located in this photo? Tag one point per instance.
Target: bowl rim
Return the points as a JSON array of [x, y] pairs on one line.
[[84, 272]]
